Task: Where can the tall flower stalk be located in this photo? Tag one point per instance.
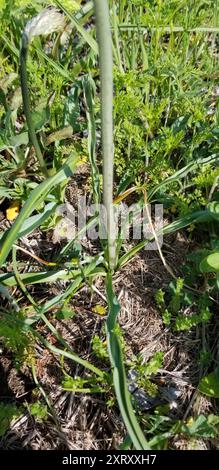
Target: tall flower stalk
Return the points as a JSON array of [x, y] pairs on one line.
[[46, 22], [113, 340], [106, 76]]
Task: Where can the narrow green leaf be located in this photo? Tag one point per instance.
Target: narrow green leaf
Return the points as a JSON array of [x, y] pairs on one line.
[[119, 376], [88, 87], [183, 172], [36, 196], [61, 71], [195, 217], [37, 277]]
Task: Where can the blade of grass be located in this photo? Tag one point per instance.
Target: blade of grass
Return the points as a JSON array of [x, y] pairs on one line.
[[70, 244], [42, 317], [57, 351], [87, 36], [167, 29], [57, 67], [183, 172], [76, 284], [195, 217], [37, 278], [88, 88], [10, 46], [36, 197], [116, 36], [43, 393], [85, 11], [26, 102]]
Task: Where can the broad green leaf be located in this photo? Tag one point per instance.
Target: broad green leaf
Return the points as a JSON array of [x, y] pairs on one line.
[[36, 220], [19, 139], [71, 111], [209, 385], [60, 134], [64, 313], [40, 116], [13, 141], [159, 441], [210, 264]]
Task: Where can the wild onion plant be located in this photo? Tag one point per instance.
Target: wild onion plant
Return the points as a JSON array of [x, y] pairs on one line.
[[114, 345], [106, 75], [47, 21]]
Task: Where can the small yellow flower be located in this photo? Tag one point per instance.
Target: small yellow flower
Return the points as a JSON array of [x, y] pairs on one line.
[[99, 309], [13, 210], [190, 421], [83, 160]]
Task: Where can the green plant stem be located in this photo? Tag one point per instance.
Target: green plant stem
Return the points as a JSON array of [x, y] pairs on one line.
[[26, 103], [106, 76], [119, 375]]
